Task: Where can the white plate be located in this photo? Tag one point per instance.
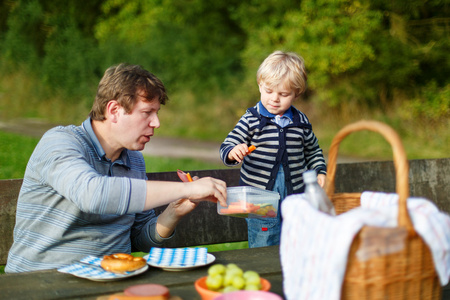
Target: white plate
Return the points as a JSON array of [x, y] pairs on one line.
[[96, 273], [118, 277], [209, 260]]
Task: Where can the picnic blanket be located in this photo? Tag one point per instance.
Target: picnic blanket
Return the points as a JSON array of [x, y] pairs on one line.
[[314, 246]]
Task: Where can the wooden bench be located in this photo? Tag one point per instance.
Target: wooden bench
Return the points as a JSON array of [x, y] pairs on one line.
[[428, 178]]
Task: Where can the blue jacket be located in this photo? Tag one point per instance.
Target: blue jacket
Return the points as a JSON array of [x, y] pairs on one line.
[[294, 147]]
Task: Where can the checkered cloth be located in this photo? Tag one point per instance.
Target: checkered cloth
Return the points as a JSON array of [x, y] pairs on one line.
[[87, 271], [177, 257]]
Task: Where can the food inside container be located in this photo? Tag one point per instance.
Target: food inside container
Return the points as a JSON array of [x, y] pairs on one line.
[[250, 202]]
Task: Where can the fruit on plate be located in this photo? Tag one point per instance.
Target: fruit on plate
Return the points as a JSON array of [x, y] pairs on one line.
[[231, 278]]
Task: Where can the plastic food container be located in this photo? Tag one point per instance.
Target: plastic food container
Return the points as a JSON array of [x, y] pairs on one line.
[[250, 202]]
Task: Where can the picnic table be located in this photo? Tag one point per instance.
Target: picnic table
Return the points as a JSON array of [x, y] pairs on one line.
[[51, 284]]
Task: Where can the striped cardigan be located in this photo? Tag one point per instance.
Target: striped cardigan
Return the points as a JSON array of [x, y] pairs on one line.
[[294, 147]]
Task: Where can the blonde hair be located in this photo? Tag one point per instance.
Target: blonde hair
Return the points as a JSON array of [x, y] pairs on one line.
[[286, 68]]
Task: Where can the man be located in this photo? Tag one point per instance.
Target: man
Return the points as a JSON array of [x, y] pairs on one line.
[[85, 190]]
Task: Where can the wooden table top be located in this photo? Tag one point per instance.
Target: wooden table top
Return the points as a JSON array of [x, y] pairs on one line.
[[52, 284]]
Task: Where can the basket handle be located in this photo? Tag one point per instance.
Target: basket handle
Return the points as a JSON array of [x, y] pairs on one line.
[[400, 163]]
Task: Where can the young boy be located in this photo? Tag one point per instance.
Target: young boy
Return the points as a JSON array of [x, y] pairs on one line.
[[285, 143]]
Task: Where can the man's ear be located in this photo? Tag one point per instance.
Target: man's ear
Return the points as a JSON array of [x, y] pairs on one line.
[[112, 110]]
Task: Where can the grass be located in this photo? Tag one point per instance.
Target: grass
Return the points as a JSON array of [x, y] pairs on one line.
[[15, 150]]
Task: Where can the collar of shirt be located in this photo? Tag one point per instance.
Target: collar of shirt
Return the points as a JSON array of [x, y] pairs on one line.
[[123, 159], [283, 120]]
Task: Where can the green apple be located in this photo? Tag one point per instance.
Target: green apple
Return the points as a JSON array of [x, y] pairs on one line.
[[234, 270], [252, 287], [232, 266], [217, 269], [239, 282], [252, 278], [230, 288], [214, 282], [228, 279]]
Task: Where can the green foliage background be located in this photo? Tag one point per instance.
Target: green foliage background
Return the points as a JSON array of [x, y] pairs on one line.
[[378, 59]]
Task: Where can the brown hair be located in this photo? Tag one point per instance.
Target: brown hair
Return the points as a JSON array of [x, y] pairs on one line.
[[124, 83]]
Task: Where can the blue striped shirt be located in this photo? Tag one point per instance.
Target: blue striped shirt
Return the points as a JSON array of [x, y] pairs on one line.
[[293, 147], [75, 202]]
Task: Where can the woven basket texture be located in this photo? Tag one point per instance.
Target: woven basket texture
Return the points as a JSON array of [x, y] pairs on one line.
[[407, 274]]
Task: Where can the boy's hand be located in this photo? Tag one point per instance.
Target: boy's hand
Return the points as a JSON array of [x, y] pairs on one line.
[[322, 179], [238, 153]]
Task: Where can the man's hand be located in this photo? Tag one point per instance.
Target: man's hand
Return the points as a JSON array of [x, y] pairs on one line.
[[208, 189], [175, 211], [172, 215], [205, 189]]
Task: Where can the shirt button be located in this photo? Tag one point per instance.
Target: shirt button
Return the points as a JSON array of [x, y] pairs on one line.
[[281, 130]]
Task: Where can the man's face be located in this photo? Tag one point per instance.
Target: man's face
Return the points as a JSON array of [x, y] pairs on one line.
[[276, 99], [134, 130]]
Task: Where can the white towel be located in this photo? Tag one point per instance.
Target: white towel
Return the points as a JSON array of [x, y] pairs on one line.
[[314, 246], [430, 223]]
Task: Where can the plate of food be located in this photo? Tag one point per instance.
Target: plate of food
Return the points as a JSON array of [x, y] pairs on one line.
[[179, 259], [107, 268]]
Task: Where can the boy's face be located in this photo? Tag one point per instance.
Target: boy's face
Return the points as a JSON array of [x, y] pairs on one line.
[[276, 99]]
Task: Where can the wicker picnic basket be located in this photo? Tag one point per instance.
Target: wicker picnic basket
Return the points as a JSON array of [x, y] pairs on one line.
[[406, 274]]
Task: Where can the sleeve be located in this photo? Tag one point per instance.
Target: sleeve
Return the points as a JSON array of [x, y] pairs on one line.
[[239, 135], [313, 153], [143, 233], [63, 163]]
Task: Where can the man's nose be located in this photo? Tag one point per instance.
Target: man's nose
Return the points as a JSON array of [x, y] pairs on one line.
[[154, 123]]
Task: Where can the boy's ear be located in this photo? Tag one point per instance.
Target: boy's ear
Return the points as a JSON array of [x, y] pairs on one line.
[[260, 87]]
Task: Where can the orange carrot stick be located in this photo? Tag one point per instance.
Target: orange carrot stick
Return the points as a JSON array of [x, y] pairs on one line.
[[189, 177], [251, 148], [185, 177]]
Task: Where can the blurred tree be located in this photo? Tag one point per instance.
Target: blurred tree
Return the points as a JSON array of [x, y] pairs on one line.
[[190, 43], [328, 34], [376, 53], [23, 40], [367, 52], [55, 40]]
